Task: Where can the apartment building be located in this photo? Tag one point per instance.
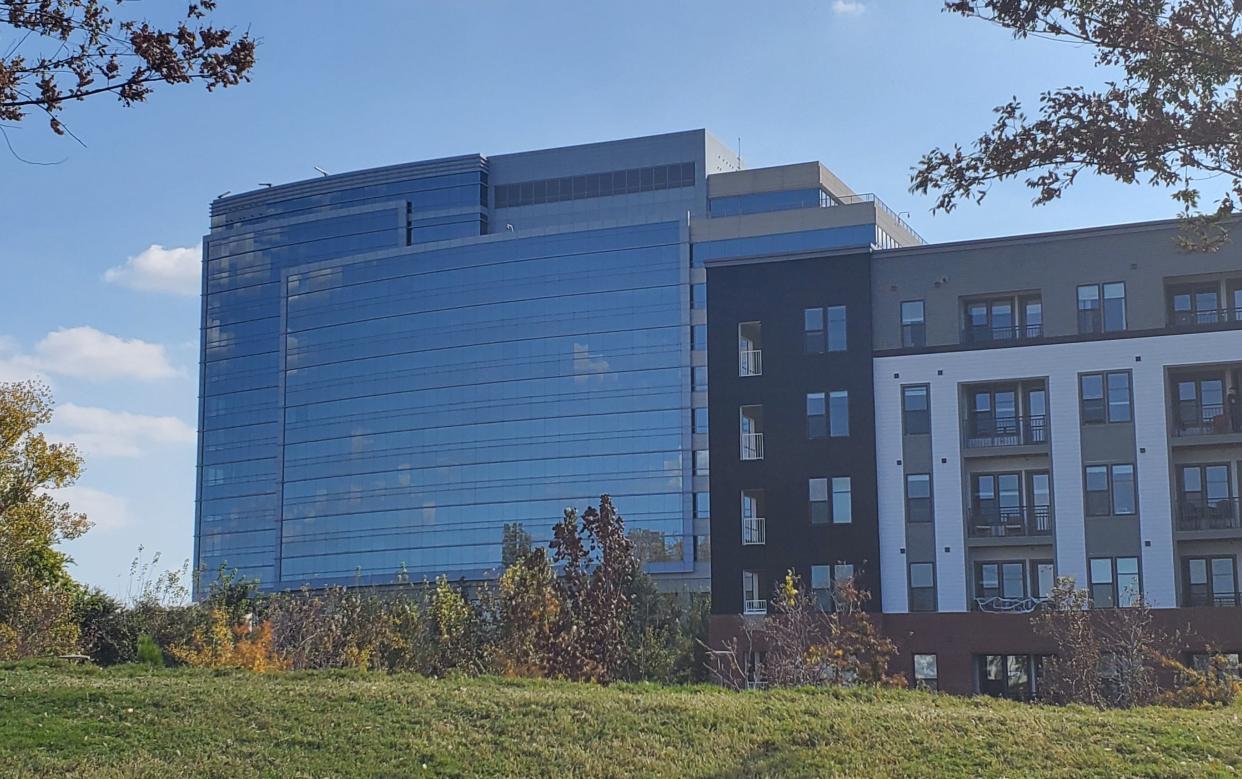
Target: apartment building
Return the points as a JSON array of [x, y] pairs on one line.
[[1044, 406]]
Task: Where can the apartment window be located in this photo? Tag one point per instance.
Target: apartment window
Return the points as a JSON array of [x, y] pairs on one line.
[[926, 676], [1194, 305], [1105, 397], [1102, 307], [1003, 580], [1110, 489], [918, 497], [1123, 489], [922, 587], [842, 501], [1114, 581], [826, 581], [754, 599], [750, 421], [750, 349], [838, 413], [1003, 319], [814, 331], [915, 414], [824, 329], [701, 462], [1008, 676], [816, 415], [703, 549], [1210, 581], [1206, 498], [1043, 578], [754, 522], [913, 326], [837, 338], [817, 489]]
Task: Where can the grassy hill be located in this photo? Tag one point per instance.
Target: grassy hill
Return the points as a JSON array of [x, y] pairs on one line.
[[127, 722]]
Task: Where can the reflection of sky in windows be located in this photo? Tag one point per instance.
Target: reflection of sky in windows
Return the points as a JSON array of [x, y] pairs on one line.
[[431, 398]]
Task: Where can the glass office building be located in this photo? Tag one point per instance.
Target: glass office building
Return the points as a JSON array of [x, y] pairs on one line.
[[402, 368]]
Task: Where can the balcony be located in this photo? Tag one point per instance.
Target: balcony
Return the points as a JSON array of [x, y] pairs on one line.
[[754, 531], [1211, 514], [750, 362], [985, 334], [1000, 604], [1204, 319], [1214, 599], [984, 431], [1011, 522], [752, 446], [754, 606], [1196, 419]]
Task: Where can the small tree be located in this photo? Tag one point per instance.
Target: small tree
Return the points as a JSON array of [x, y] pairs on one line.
[[529, 614], [597, 567], [1104, 657]]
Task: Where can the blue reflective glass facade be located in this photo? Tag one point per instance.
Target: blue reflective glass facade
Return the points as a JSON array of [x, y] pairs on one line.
[[401, 364]]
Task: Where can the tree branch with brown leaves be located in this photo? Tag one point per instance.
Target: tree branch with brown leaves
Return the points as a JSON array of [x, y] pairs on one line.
[[66, 50], [1173, 118]]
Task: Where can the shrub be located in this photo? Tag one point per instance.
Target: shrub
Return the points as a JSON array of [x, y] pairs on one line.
[[219, 645], [106, 630], [149, 652]]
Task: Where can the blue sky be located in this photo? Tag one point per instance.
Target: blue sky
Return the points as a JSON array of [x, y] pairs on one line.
[[87, 303]]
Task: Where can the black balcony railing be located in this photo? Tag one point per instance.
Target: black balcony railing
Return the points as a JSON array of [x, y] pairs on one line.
[[1010, 521], [1218, 599], [1211, 317], [982, 334], [984, 430], [1208, 514], [1204, 419]]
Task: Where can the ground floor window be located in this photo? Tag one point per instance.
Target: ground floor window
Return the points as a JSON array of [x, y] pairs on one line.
[[1008, 676], [1230, 663], [926, 674]]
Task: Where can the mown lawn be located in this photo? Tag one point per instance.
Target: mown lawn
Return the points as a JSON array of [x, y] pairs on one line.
[[128, 722]]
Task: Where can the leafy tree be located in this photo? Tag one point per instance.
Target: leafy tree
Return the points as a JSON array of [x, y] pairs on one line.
[[74, 49], [1172, 116], [32, 522], [597, 567], [515, 543], [528, 615]]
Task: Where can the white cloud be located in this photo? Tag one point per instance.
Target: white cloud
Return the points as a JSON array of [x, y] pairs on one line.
[[99, 432], [176, 271], [848, 7], [105, 510], [86, 353]]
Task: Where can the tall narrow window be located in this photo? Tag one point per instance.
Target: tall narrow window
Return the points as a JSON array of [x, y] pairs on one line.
[[1129, 587], [1114, 307], [1098, 500], [751, 429], [813, 330], [1103, 596], [1119, 397], [1094, 408], [839, 413], [837, 340], [817, 490], [816, 415], [915, 415], [1123, 490], [918, 497], [842, 501], [922, 587], [1089, 319], [754, 525], [754, 599], [822, 587], [750, 349], [913, 326]]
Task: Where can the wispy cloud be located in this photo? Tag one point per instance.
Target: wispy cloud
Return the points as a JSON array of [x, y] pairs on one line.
[[105, 510], [848, 7], [86, 353], [101, 432], [175, 271]]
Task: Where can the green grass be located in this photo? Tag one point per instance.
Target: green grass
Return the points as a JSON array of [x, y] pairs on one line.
[[131, 722]]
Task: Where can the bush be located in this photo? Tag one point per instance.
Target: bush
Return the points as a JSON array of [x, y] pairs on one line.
[[149, 652], [106, 630]]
